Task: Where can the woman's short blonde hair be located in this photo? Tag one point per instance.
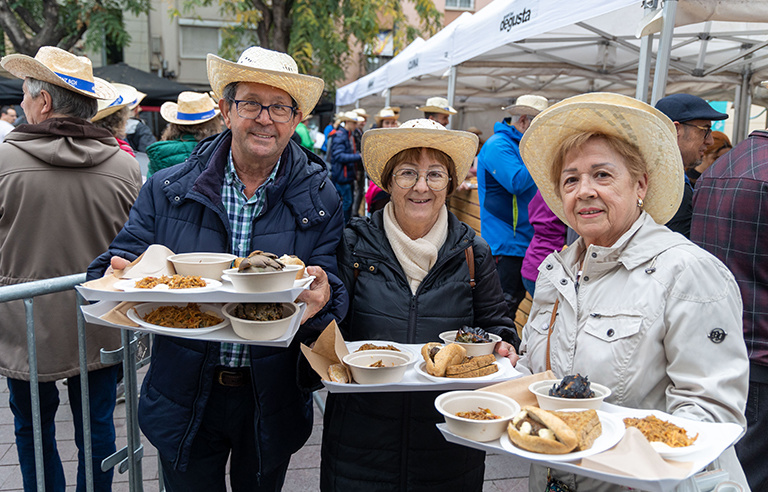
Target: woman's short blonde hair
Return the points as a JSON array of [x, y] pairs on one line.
[[412, 155], [633, 159]]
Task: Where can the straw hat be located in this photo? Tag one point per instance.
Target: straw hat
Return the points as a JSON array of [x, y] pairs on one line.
[[349, 116], [528, 104], [191, 108], [361, 112], [395, 109], [437, 105], [126, 95], [139, 97], [61, 68], [385, 114], [267, 67], [475, 130], [381, 144], [617, 115]]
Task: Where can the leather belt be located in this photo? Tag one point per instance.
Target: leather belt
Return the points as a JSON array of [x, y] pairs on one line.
[[232, 377]]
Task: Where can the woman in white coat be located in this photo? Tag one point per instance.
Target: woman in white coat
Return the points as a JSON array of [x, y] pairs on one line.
[[639, 308]]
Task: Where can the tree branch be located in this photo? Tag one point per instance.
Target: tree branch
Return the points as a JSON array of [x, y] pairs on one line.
[[28, 19], [13, 30]]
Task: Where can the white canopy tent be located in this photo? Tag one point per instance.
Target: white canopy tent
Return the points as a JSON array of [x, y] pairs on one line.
[[568, 48]]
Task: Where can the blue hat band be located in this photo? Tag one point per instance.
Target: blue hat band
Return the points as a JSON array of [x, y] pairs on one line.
[[195, 116], [80, 84], [117, 101]]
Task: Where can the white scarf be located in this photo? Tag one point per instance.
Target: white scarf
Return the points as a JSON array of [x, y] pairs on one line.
[[416, 256]]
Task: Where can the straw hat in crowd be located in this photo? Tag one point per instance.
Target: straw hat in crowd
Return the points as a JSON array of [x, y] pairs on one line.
[[437, 105], [385, 114], [381, 144], [139, 97], [126, 95], [528, 104], [617, 115], [349, 116], [361, 112], [61, 68], [190, 108], [267, 67]]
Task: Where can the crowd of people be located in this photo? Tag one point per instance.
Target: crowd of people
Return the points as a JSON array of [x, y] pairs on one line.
[[637, 231]]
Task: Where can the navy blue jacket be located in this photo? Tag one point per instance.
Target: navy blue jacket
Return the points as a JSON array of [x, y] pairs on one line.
[[343, 157], [180, 207]]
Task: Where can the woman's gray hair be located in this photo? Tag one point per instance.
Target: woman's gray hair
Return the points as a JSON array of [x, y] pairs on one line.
[[64, 101]]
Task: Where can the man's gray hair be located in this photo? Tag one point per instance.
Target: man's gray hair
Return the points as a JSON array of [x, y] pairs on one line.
[[64, 101]]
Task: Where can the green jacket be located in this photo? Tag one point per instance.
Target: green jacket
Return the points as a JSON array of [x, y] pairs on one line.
[[306, 139], [168, 153]]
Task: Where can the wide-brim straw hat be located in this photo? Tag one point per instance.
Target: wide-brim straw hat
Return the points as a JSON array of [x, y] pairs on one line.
[[139, 97], [349, 116], [126, 95], [362, 112], [528, 104], [616, 115], [60, 68], [266, 67], [437, 105], [381, 144], [191, 108], [385, 114]]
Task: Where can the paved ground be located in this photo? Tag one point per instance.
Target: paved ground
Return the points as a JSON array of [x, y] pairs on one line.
[[501, 472]]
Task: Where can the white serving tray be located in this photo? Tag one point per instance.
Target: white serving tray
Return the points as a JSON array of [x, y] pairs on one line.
[[224, 293], [719, 438], [413, 381], [93, 313]]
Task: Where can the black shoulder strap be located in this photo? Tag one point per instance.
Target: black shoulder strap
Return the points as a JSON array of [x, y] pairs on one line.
[[469, 253]]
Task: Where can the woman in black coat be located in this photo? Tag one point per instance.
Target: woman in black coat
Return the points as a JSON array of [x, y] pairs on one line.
[[409, 280]]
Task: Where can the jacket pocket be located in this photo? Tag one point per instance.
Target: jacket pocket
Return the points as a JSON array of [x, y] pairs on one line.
[[612, 326]]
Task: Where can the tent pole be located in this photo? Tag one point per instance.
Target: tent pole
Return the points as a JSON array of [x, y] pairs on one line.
[[387, 98], [665, 49], [451, 92], [644, 62], [745, 102]]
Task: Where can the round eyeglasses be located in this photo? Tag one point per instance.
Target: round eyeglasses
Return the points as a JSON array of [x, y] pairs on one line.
[[251, 110], [436, 180]]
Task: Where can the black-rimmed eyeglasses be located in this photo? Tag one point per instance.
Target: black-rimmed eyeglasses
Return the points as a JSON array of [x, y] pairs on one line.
[[251, 110], [706, 129], [436, 180]]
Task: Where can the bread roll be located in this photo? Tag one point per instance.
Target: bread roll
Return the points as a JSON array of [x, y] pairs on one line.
[[294, 260]]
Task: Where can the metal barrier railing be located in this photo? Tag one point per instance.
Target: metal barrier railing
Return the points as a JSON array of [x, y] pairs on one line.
[[125, 460]]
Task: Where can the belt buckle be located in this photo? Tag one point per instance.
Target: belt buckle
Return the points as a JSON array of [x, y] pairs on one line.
[[233, 379]]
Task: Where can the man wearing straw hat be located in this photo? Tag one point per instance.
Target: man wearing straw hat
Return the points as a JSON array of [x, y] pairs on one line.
[[204, 404], [505, 189], [65, 186], [438, 109]]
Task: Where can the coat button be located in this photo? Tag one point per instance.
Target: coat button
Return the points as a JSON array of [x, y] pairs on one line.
[[304, 220], [594, 255], [549, 266], [586, 279], [177, 198], [321, 213], [610, 332], [356, 265], [564, 281], [166, 182], [371, 268]]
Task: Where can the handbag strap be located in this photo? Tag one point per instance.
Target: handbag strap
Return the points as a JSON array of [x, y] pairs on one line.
[[469, 253], [551, 329]]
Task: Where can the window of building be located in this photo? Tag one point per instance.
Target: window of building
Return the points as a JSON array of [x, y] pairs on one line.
[[198, 41], [460, 4]]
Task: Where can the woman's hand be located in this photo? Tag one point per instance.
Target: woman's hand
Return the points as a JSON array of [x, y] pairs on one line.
[[318, 294], [116, 263], [506, 349]]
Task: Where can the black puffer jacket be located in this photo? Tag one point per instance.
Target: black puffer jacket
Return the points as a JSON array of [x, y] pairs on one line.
[[388, 441]]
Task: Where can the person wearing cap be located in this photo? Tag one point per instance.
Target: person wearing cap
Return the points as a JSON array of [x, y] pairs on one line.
[[7, 118], [630, 305], [721, 145], [505, 189], [193, 117], [345, 156], [693, 118], [437, 109], [112, 115], [729, 221], [214, 408], [137, 133], [65, 188], [415, 271]]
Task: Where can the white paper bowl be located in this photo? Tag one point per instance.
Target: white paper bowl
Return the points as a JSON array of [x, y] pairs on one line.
[[473, 349], [452, 402], [208, 265], [263, 281], [546, 402], [261, 330], [395, 365]]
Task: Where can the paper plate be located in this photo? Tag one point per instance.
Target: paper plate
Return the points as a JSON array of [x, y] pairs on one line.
[[129, 285], [137, 313]]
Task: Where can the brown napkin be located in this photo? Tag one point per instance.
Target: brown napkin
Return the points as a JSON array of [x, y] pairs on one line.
[[517, 389], [329, 349], [633, 456], [118, 316]]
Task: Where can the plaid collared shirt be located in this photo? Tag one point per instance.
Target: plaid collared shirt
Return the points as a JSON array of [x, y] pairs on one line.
[[730, 220], [242, 212]]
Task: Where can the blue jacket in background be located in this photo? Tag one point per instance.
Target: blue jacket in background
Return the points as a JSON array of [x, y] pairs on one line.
[[343, 157], [181, 208], [505, 188]]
